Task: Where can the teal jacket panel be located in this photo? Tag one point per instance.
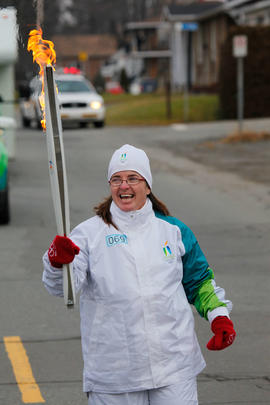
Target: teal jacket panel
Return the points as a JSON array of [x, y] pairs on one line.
[[198, 277]]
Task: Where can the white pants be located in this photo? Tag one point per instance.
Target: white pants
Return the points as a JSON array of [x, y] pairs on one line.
[[183, 393]]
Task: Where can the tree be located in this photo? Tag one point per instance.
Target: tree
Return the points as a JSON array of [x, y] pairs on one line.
[[256, 74], [99, 83], [83, 17], [26, 21], [124, 80]]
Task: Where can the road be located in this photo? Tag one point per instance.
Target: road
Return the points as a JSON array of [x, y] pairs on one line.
[[229, 215]]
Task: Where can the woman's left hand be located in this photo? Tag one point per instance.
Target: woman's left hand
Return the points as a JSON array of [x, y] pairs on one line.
[[224, 333]]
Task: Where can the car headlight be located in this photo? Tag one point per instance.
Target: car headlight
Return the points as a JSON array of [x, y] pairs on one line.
[[96, 105]]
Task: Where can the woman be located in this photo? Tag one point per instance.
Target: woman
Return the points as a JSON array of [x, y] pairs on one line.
[[138, 270]]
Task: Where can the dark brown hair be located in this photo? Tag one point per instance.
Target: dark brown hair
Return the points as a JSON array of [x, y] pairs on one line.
[[103, 209]]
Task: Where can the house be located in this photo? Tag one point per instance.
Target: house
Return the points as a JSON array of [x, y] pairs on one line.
[[183, 43], [121, 59], [148, 41], [252, 13], [88, 52], [198, 30]]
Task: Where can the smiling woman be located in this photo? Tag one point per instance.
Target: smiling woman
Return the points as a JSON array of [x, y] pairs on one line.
[[138, 269], [129, 191]]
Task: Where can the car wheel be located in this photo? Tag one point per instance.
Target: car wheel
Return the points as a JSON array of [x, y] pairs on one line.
[[4, 207], [26, 122], [99, 124], [83, 124], [38, 118], [39, 126]]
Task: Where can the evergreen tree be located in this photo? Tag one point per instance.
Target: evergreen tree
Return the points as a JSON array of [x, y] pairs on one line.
[[124, 80]]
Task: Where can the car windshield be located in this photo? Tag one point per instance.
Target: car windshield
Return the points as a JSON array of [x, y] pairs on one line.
[[74, 86]]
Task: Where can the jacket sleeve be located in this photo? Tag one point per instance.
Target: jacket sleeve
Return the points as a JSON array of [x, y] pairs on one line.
[[53, 277], [198, 280]]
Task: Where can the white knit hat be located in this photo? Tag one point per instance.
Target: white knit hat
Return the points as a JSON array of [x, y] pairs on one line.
[[130, 158]]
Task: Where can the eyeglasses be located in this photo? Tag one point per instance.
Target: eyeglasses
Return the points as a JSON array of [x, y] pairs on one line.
[[131, 181]]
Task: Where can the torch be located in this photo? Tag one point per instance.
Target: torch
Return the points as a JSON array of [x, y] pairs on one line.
[[44, 55], [58, 177]]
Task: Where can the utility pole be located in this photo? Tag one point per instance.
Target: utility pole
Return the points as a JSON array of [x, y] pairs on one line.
[[40, 12], [240, 50], [168, 96], [188, 28]]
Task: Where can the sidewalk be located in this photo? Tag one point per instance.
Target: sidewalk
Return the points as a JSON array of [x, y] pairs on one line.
[[201, 143]]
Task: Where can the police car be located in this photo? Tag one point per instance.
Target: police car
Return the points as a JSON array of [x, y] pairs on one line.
[[78, 101]]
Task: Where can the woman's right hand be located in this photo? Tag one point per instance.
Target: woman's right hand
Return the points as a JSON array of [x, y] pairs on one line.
[[62, 251]]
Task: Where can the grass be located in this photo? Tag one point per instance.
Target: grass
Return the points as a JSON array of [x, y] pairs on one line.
[[150, 109], [235, 138]]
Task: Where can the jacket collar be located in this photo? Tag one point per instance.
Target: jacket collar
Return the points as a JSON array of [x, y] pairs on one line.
[[131, 219]]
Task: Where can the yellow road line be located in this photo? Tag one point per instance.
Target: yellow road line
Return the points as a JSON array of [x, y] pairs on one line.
[[22, 370]]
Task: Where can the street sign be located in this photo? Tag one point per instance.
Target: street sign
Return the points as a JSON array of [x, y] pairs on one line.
[[192, 26], [240, 46]]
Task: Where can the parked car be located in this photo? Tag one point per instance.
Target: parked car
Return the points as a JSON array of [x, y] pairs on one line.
[[4, 201], [143, 85], [78, 101], [4, 189], [113, 87]]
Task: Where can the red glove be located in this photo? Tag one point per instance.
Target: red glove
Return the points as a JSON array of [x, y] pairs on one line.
[[62, 251], [224, 333]]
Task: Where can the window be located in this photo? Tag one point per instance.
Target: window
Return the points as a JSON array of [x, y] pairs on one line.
[[74, 86], [260, 19]]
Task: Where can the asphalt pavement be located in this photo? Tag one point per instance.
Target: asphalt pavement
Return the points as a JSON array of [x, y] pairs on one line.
[[227, 209]]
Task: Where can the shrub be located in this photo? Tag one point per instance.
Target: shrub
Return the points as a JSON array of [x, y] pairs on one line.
[[124, 80], [99, 83], [256, 74]]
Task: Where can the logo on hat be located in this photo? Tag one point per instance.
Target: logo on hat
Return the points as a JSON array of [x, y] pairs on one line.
[[123, 157]]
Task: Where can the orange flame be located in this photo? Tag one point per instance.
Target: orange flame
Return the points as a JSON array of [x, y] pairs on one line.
[[43, 54]]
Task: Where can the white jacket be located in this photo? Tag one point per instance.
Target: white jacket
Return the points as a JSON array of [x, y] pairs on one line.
[[137, 325]]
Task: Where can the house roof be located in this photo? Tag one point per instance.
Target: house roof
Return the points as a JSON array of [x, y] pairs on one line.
[[148, 23], [199, 10], [143, 25], [92, 45], [193, 8], [251, 5]]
